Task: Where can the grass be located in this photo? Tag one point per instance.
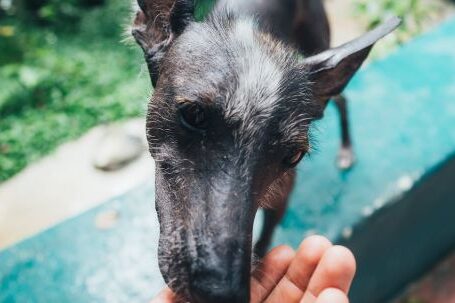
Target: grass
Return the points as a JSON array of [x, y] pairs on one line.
[[65, 72], [415, 14], [64, 83]]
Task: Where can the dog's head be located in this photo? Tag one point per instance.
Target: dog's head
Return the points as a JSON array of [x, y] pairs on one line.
[[228, 121]]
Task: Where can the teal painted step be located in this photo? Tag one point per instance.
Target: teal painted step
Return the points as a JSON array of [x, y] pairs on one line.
[[403, 122], [395, 208], [76, 262]]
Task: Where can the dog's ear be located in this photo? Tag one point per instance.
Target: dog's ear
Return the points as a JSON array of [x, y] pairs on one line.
[[156, 24], [331, 70]]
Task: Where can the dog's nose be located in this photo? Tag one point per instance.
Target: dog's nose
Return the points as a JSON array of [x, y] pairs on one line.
[[209, 287]]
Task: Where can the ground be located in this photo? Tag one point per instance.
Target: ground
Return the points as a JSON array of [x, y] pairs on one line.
[[63, 185]]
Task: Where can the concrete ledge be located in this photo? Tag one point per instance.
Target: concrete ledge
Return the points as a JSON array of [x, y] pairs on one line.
[[403, 240], [395, 207]]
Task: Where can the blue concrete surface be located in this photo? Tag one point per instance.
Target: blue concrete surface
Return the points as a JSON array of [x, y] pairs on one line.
[[403, 120], [402, 110], [77, 262]]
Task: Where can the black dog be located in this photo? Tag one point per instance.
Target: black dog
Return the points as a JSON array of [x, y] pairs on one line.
[[229, 121]]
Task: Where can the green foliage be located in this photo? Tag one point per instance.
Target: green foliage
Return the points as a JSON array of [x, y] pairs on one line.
[[63, 70], [61, 14], [63, 83], [203, 7], [11, 49], [415, 13]]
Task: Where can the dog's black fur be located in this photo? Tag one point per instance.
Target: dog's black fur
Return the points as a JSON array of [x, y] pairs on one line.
[[228, 122]]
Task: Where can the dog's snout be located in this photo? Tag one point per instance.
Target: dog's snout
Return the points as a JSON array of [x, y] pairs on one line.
[[208, 287]]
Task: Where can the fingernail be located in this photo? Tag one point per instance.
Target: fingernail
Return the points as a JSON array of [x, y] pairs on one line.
[[308, 298]]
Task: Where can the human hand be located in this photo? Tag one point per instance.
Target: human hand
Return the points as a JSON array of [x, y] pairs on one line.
[[317, 273]]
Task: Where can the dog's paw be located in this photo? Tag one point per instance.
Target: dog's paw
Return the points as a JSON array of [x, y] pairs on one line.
[[346, 158]]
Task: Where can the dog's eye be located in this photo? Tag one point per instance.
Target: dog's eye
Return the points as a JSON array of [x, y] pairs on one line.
[[294, 159], [192, 116]]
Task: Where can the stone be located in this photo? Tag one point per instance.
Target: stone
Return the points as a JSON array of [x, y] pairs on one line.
[[121, 144]]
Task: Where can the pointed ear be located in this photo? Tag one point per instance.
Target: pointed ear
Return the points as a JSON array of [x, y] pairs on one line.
[[156, 24], [331, 70]]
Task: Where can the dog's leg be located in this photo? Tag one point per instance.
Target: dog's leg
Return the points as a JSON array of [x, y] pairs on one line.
[[311, 27], [346, 156], [273, 216]]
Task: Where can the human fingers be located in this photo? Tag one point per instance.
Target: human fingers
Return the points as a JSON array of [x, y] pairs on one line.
[[294, 284], [335, 270], [267, 275]]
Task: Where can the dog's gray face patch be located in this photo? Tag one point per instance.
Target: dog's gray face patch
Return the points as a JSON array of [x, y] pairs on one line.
[[243, 70], [258, 76]]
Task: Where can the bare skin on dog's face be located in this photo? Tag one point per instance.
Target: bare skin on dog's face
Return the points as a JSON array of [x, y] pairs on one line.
[[228, 122]]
